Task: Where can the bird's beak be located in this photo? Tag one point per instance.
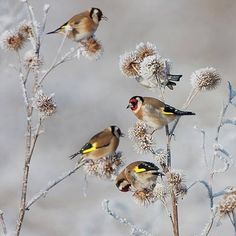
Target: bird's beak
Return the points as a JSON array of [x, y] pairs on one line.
[[105, 18], [122, 135], [128, 106]]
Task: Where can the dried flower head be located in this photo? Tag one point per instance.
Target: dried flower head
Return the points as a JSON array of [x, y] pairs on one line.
[[154, 70], [106, 167], [175, 177], [44, 103], [31, 61], [205, 79], [25, 29], [144, 50], [227, 204], [161, 157], [146, 197], [12, 40], [129, 65], [91, 48], [181, 190], [141, 135]]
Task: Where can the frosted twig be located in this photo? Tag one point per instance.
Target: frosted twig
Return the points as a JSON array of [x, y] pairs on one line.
[[42, 28], [134, 229], [64, 58], [51, 184], [229, 121], [2, 222], [234, 221], [208, 187], [232, 92], [226, 158], [209, 225], [204, 147]]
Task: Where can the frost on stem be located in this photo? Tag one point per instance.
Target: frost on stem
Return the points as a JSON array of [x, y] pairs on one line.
[[91, 48], [205, 79], [134, 229], [44, 103], [227, 204], [106, 167], [140, 135]]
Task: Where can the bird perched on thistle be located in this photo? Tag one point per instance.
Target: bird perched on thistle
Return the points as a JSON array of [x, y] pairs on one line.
[[154, 112], [81, 26], [139, 175], [100, 145]]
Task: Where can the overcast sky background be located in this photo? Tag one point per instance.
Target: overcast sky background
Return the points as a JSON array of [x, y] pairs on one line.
[[92, 95]]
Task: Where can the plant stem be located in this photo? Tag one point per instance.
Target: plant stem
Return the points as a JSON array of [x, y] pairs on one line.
[[175, 213], [2, 221], [50, 185]]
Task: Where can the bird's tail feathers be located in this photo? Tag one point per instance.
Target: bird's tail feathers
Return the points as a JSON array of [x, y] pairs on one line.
[[174, 77], [74, 155], [185, 113]]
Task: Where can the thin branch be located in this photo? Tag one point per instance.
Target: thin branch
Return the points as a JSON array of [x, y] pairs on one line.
[[209, 225], [208, 187], [204, 147], [134, 229], [2, 222], [55, 63], [51, 184], [234, 221]]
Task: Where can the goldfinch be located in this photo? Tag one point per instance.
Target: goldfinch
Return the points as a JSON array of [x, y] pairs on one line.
[[138, 175], [100, 145], [81, 26], [154, 112]]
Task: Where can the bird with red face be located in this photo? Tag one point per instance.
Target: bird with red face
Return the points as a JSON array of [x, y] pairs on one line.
[[154, 112]]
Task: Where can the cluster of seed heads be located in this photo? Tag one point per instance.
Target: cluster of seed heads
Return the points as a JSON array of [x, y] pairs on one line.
[[141, 135], [106, 167], [227, 204]]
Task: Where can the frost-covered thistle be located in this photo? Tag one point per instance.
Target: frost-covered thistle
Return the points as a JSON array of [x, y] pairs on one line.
[[154, 70], [91, 48], [25, 29], [146, 197], [227, 204], [141, 135], [31, 61], [175, 177], [44, 103], [205, 79], [129, 65], [161, 157], [176, 180], [144, 50], [106, 167], [12, 40]]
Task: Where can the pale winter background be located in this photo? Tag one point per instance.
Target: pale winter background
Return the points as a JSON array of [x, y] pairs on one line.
[[93, 95]]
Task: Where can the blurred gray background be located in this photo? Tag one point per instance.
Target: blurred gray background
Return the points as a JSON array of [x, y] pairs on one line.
[[92, 95]]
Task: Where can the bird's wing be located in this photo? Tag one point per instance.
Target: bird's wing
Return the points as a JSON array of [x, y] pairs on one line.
[[145, 166], [169, 110], [161, 106], [99, 140]]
